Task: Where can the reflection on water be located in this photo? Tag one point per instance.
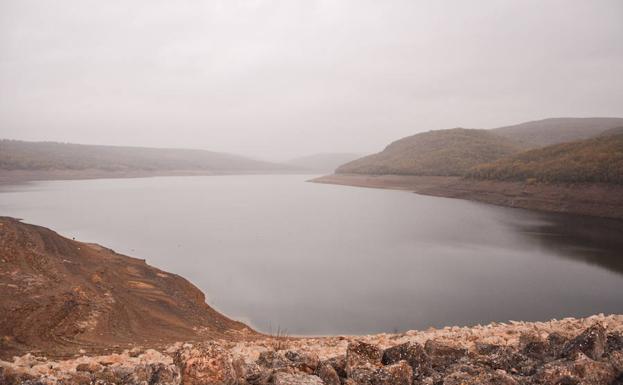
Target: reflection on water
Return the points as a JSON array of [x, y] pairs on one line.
[[596, 241], [275, 251]]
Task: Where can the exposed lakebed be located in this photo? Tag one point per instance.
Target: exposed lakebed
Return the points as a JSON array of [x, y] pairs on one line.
[[279, 253]]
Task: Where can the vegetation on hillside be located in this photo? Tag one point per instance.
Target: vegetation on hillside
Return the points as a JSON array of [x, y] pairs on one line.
[[546, 132], [443, 152], [598, 159], [20, 155]]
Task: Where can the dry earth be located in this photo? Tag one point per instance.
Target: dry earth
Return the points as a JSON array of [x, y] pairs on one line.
[[58, 296]]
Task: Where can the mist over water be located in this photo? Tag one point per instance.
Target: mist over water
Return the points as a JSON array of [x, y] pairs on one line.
[[276, 252]]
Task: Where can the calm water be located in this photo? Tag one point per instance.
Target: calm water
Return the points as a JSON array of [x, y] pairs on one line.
[[275, 251]]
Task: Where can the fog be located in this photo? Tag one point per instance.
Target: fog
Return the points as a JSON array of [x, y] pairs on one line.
[[278, 79]]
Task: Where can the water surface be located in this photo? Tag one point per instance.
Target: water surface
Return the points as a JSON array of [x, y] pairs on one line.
[[276, 252]]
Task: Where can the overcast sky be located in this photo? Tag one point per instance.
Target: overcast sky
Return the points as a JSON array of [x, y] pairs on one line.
[[277, 79]]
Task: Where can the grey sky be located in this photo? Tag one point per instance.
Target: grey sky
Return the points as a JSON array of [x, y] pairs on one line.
[[275, 79]]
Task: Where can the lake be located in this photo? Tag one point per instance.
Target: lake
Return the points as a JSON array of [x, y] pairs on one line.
[[279, 253]]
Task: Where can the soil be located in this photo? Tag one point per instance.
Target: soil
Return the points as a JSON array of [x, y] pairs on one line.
[[59, 296]]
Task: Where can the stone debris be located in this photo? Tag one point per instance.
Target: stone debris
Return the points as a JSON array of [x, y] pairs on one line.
[[571, 351]]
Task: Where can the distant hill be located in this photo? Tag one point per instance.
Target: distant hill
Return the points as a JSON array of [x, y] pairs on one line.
[[612, 131], [442, 152], [546, 132], [21, 155], [597, 159], [325, 162]]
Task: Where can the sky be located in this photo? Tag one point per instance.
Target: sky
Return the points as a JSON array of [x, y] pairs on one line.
[[279, 79]]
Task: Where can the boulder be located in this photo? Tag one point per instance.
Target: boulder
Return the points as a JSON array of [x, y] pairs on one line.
[[582, 370], [305, 362], [361, 355], [556, 343], [614, 342], [394, 374], [591, 342], [413, 353], [283, 378], [276, 360], [478, 376], [90, 367], [339, 364], [328, 374], [443, 355], [362, 375], [532, 345], [206, 363]]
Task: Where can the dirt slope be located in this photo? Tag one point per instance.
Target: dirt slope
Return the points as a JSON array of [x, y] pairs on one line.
[[58, 296]]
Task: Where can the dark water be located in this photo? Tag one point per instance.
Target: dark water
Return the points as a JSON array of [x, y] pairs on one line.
[[276, 252]]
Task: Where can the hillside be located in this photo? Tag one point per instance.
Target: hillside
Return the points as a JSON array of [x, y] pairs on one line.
[[34, 156], [325, 162], [59, 295], [546, 132], [598, 159], [443, 152]]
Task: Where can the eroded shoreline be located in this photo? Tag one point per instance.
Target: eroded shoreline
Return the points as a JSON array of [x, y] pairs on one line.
[[599, 200]]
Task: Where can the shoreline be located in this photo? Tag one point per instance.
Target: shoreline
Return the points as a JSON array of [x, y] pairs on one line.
[[16, 177], [597, 200]]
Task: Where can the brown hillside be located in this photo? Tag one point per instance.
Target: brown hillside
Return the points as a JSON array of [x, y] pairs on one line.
[[546, 132], [442, 152], [50, 156], [592, 160], [59, 295]]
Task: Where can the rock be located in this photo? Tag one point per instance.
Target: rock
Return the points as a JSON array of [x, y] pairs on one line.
[[614, 342], [283, 378], [90, 367], [532, 345], [394, 374], [478, 376], [273, 360], [556, 342], [362, 375], [362, 355], [255, 375], [135, 352], [591, 342], [487, 349], [339, 364], [328, 374], [413, 353], [582, 371], [305, 362], [443, 355], [206, 363]]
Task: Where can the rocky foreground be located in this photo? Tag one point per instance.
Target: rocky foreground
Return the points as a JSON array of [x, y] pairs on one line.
[[569, 351]]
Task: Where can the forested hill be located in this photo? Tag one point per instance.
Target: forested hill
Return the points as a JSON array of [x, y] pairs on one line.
[[50, 156], [540, 133], [597, 159], [443, 152]]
